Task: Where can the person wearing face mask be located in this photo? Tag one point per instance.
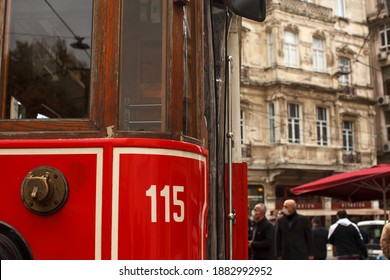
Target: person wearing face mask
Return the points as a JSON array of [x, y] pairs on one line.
[[262, 243], [294, 240]]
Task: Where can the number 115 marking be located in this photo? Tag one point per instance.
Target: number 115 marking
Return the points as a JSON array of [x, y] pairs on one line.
[[165, 193]]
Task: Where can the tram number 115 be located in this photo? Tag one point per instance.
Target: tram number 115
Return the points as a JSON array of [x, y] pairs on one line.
[[166, 194]]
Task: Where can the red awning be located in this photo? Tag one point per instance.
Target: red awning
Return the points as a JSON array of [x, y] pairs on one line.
[[360, 185]]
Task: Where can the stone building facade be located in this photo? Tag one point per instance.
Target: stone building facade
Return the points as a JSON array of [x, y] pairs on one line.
[[379, 42], [308, 105]]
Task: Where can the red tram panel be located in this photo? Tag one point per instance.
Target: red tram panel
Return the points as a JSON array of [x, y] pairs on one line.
[[150, 203]]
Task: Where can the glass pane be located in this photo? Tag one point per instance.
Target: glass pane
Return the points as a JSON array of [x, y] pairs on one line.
[[350, 142], [289, 37], [387, 37], [190, 64], [48, 59], [344, 140], [387, 117], [324, 136], [290, 132], [388, 133], [319, 113], [297, 132], [347, 125], [142, 97], [318, 44], [382, 37], [294, 110]]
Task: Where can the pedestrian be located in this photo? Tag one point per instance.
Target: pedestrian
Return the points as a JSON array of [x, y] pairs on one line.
[[320, 239], [294, 240], [262, 244], [385, 238], [346, 238]]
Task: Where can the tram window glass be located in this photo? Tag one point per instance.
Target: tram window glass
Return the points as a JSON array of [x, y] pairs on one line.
[[189, 94], [47, 59], [143, 96]]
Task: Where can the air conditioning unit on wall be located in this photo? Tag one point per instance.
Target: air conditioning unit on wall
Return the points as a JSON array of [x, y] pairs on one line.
[[384, 100], [382, 55]]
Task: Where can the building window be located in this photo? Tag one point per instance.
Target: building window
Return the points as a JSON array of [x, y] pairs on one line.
[[344, 70], [294, 123], [318, 55], [322, 126], [270, 49], [386, 80], [387, 123], [384, 34], [242, 126], [348, 136], [340, 8], [272, 122], [290, 49]]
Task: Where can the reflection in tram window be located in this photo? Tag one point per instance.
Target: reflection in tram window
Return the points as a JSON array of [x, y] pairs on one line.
[[48, 57], [143, 66], [189, 94]]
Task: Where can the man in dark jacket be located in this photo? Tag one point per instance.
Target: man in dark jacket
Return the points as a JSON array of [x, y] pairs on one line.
[[346, 239], [294, 239], [262, 243], [320, 239]]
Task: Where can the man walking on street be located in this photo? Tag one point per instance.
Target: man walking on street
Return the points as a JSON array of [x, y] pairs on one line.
[[294, 239], [320, 239], [346, 238], [262, 243]]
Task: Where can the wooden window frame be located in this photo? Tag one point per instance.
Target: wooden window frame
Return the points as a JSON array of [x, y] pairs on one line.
[[105, 80]]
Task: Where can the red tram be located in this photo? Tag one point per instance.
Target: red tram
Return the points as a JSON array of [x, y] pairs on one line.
[[114, 136]]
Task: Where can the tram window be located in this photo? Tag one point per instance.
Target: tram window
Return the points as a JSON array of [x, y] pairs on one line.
[[190, 87], [143, 96], [47, 51]]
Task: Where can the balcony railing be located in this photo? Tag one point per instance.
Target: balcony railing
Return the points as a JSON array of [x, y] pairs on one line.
[[352, 157], [301, 8]]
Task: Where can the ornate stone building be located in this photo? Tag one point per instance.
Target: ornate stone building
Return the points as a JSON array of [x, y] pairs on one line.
[[379, 42], [308, 106]]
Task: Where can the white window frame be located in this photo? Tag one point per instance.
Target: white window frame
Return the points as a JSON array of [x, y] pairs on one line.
[[384, 35], [348, 136], [340, 8], [290, 49], [294, 123], [387, 125], [345, 65], [272, 122], [322, 126], [318, 55]]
